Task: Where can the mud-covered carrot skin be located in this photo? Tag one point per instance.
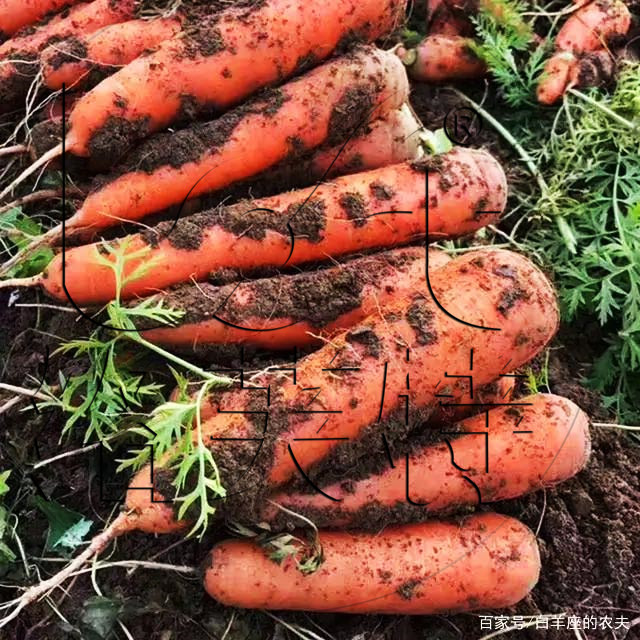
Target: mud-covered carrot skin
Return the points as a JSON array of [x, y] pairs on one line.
[[90, 57], [16, 14], [592, 27], [587, 31], [218, 61], [485, 561], [294, 310], [341, 217], [555, 80], [442, 58], [324, 106], [491, 288], [19, 55], [529, 448]]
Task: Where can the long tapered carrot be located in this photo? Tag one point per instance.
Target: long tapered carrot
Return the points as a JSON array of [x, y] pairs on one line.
[[91, 57], [19, 55], [16, 14], [539, 444], [337, 394], [380, 208], [325, 105], [483, 562], [297, 310], [221, 61]]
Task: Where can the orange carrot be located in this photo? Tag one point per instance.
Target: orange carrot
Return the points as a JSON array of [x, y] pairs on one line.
[[591, 27], [440, 58], [218, 62], [527, 448], [296, 310], [326, 105], [555, 79], [467, 190], [16, 14], [90, 57], [394, 138], [20, 54], [491, 288], [483, 562], [588, 30]]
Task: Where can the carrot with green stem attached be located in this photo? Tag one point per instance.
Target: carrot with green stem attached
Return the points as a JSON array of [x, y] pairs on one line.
[[213, 65], [374, 209], [327, 105], [537, 443], [588, 30]]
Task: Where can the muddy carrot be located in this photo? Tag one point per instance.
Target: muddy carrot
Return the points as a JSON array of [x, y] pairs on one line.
[[20, 54], [338, 389], [539, 443], [16, 14], [88, 58], [592, 27], [324, 106], [483, 562], [376, 209], [440, 58], [484, 288], [587, 31], [294, 310]]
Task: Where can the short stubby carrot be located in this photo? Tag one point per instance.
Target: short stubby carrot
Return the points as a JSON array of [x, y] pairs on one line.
[[88, 58], [375, 209], [270, 438], [440, 58], [217, 62], [19, 55], [486, 561], [593, 26], [16, 14], [538, 442], [324, 106]]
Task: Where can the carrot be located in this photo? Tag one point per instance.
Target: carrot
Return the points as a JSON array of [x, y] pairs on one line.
[[218, 62], [90, 57], [528, 448], [15, 14], [483, 562], [588, 31], [20, 54], [340, 217], [294, 310], [555, 79], [324, 106], [441, 58], [394, 138], [488, 288], [591, 27]]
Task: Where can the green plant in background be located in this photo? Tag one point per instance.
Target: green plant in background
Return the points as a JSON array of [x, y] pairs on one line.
[[102, 400], [580, 216], [505, 41], [6, 555], [591, 161]]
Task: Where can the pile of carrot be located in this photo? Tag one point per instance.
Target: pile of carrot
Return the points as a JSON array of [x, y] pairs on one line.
[[263, 173]]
